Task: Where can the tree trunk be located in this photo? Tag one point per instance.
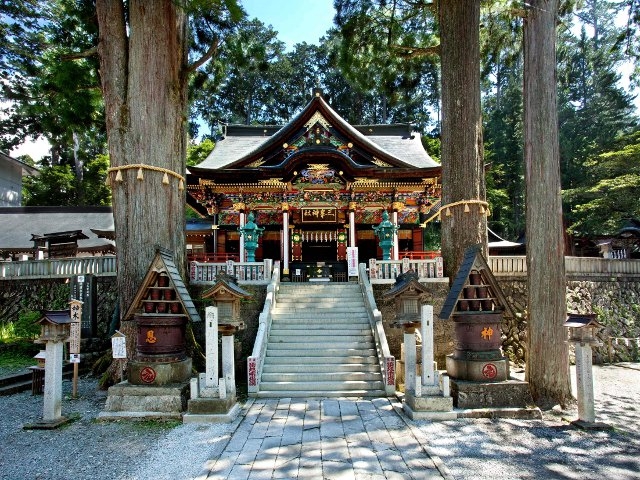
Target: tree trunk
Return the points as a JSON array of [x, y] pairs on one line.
[[548, 362], [142, 67], [462, 151]]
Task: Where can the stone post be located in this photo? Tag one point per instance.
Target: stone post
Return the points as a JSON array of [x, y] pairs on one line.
[[584, 381], [52, 411], [228, 367], [211, 332], [426, 331], [410, 360]]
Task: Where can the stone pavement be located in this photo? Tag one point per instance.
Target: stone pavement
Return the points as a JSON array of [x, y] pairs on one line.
[[324, 439]]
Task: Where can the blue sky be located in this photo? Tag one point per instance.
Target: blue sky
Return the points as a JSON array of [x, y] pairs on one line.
[[296, 21]]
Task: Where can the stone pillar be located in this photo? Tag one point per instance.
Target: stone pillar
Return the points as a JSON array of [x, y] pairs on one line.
[[409, 360], [214, 227], [584, 381], [426, 330], [394, 220], [228, 368], [211, 361], [52, 411], [352, 224], [242, 224], [285, 238]]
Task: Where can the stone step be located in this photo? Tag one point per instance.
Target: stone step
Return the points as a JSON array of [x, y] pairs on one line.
[[319, 360], [321, 394], [317, 303], [300, 337], [313, 310], [300, 317], [320, 368], [304, 346], [349, 385], [325, 352], [305, 377], [315, 330]]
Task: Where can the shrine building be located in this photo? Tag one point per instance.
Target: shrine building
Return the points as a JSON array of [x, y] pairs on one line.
[[317, 185]]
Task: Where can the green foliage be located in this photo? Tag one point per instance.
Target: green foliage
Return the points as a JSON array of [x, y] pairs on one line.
[[197, 153], [58, 185], [26, 326], [612, 192]]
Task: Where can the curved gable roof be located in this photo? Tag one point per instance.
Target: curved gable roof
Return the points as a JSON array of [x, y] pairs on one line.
[[395, 145]]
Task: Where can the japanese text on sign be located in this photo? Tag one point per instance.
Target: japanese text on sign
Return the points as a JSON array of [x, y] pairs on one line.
[[317, 215]]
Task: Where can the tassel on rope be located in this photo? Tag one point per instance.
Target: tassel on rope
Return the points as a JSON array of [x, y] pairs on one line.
[[181, 185], [481, 210], [466, 208], [448, 212], [165, 179], [140, 175], [119, 176], [107, 180]]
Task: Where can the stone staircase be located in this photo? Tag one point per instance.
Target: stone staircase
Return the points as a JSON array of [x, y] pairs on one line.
[[320, 344]]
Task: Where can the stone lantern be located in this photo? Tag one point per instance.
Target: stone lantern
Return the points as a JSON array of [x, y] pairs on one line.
[[582, 329], [251, 233], [55, 328], [226, 295], [385, 232], [427, 397], [213, 398]]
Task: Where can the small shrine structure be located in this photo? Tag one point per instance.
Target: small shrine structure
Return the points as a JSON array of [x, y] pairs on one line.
[[479, 372], [317, 185], [158, 376]]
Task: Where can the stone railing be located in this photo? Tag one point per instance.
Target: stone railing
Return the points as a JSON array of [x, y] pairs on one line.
[[386, 360], [256, 273], [256, 360], [58, 268], [575, 266], [386, 271]]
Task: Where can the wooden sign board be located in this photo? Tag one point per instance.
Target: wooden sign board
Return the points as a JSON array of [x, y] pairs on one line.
[[319, 215]]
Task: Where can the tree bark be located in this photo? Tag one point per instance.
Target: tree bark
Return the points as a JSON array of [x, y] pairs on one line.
[[462, 150], [547, 367], [143, 69]]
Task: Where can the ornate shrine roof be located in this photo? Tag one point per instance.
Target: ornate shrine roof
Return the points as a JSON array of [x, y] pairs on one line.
[[319, 134]]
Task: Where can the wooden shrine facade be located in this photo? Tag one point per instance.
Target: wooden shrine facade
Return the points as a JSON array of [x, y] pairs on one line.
[[317, 185]]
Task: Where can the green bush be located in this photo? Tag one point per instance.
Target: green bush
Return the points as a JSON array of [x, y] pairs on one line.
[[26, 326]]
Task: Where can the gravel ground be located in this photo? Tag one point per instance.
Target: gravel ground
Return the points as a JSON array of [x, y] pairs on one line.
[[550, 448], [470, 449]]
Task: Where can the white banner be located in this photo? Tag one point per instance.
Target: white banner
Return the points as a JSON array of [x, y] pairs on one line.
[[352, 261]]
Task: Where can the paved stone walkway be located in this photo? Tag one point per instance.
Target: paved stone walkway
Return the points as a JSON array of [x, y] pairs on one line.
[[324, 439]]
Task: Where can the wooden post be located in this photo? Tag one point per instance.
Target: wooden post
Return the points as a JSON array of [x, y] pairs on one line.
[[74, 340]]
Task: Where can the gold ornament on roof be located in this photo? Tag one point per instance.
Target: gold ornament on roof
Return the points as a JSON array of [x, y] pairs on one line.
[[256, 163], [317, 118], [380, 163]]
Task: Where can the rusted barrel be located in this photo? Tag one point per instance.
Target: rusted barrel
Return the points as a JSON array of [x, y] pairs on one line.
[[477, 332], [161, 338]]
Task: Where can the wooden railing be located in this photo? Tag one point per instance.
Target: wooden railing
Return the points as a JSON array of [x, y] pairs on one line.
[[245, 272], [386, 271], [576, 266], [58, 268]]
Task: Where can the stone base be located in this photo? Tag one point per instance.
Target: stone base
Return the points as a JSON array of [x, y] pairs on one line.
[[159, 373], [526, 413], [143, 402], [490, 395], [210, 410], [428, 407], [478, 370], [48, 424], [584, 425]]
